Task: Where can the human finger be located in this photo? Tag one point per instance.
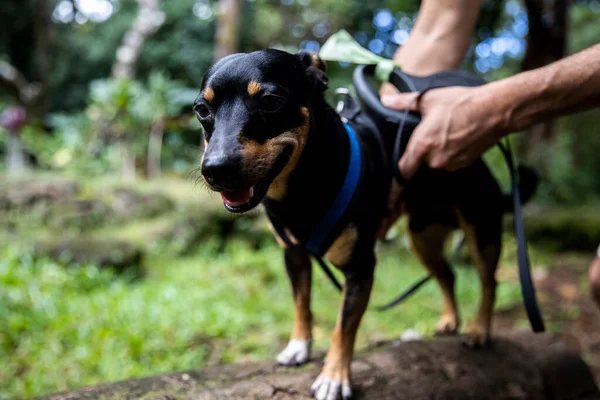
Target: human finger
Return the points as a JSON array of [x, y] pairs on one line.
[[413, 156], [401, 101]]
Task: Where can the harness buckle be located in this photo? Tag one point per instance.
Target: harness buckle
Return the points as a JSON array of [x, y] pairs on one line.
[[346, 106]]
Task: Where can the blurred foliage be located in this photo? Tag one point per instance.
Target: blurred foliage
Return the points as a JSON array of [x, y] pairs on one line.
[[182, 48], [86, 142], [115, 107]]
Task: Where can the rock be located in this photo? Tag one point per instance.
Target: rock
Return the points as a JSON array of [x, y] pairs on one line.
[[103, 252], [29, 194], [128, 204], [192, 228], [81, 215], [116, 207], [532, 367], [189, 231]]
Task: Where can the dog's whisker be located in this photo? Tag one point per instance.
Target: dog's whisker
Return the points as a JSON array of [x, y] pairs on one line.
[[192, 173]]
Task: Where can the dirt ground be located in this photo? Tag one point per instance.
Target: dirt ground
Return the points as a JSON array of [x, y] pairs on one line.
[[566, 305]]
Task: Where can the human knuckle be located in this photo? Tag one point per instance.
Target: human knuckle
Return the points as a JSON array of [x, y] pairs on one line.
[[438, 161]]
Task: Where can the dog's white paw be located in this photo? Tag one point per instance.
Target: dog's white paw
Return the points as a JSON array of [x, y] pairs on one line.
[[328, 389], [296, 352]]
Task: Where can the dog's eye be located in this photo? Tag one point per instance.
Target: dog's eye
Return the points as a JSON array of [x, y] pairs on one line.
[[270, 103], [202, 111]]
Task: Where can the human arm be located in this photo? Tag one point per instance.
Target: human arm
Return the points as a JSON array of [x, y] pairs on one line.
[[439, 39], [459, 124]]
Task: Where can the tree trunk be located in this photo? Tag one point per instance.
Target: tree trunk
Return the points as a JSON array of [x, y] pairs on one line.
[[13, 81], [25, 74], [155, 148], [546, 43], [149, 18], [227, 35], [42, 33], [16, 160], [128, 161], [526, 367]]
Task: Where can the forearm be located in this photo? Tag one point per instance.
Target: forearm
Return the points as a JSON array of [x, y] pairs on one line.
[[440, 38], [569, 85]]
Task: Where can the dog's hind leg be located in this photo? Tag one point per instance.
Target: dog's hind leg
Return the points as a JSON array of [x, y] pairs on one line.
[[428, 245], [298, 266], [485, 243]]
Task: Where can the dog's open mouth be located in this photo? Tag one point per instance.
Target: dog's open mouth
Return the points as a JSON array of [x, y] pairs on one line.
[[242, 200], [246, 199], [237, 199]]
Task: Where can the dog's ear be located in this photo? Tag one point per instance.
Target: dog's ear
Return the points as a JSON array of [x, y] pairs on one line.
[[315, 69]]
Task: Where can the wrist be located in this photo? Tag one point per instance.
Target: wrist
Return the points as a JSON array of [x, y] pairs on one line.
[[513, 102], [497, 114]]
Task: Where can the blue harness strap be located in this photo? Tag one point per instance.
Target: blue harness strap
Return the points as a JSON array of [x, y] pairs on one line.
[[316, 242]]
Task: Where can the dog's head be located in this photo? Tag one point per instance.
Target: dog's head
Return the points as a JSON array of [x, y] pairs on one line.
[[254, 109]]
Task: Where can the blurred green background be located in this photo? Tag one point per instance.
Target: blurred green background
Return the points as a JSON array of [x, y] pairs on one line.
[[115, 263]]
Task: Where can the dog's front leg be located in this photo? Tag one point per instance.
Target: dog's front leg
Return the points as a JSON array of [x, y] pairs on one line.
[[298, 266], [335, 376]]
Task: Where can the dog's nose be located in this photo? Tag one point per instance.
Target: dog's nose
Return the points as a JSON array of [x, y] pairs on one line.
[[221, 171]]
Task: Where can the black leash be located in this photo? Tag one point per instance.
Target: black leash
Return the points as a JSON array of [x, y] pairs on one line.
[[410, 291], [328, 272], [527, 287], [281, 233]]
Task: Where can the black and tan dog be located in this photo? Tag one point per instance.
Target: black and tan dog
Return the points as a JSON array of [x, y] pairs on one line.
[[271, 138]]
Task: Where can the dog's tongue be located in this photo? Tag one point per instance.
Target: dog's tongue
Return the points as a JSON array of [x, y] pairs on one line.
[[239, 198]]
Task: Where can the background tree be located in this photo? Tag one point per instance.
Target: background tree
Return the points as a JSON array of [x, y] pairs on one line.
[[546, 43], [163, 100], [24, 43], [116, 116], [13, 119], [24, 73], [228, 28], [147, 21]]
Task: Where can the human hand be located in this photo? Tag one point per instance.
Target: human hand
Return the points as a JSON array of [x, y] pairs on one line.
[[388, 89], [457, 125]]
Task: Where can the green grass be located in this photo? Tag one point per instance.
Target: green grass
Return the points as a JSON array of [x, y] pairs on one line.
[[62, 328]]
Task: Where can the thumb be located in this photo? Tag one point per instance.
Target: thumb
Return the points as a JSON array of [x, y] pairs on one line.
[[411, 159], [401, 101]]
